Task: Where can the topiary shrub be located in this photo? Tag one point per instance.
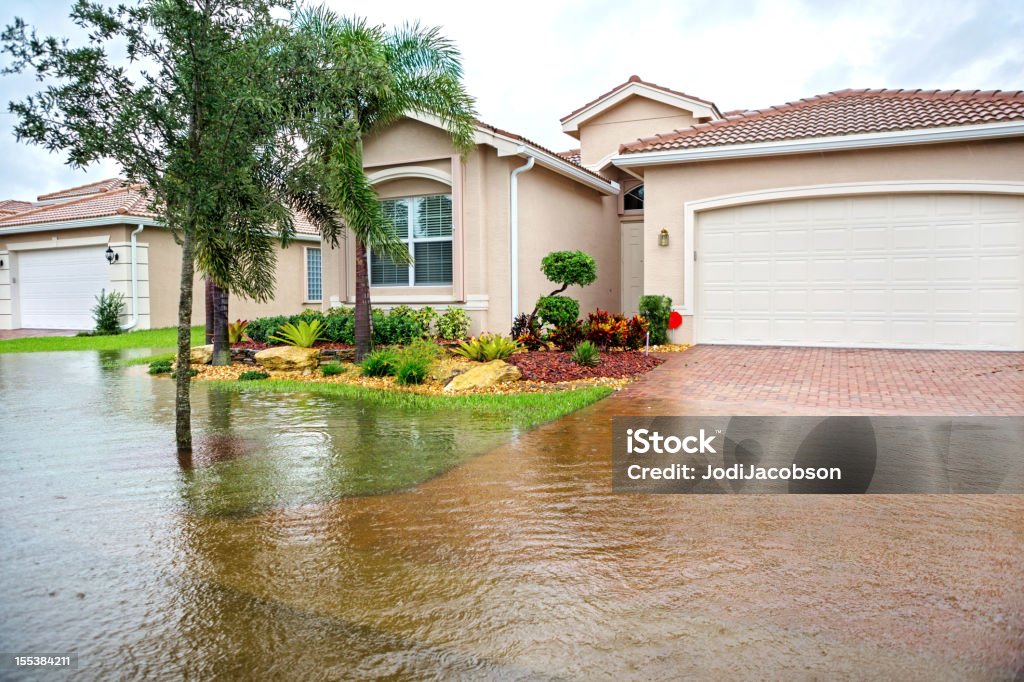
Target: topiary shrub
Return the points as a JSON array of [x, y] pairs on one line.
[[107, 312], [656, 309], [453, 324], [569, 268], [558, 311], [252, 375]]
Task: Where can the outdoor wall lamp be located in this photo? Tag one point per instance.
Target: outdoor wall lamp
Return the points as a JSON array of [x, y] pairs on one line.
[[111, 256], [663, 237]]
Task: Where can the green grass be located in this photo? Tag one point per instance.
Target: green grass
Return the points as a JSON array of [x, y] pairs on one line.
[[522, 410], [147, 338]]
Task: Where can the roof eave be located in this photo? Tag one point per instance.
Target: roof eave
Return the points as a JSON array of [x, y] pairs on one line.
[[821, 144], [102, 221]]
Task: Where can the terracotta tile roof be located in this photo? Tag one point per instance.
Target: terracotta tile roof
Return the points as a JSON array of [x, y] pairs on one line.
[[533, 144], [302, 224], [636, 79], [127, 201], [846, 112], [83, 190], [11, 206], [572, 156]]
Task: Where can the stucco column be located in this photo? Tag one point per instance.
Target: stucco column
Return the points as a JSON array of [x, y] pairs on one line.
[[6, 314], [121, 280]]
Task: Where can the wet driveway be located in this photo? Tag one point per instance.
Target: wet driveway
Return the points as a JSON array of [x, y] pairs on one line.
[[516, 564]]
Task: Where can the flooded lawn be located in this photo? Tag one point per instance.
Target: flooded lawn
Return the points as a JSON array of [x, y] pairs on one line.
[[259, 559]]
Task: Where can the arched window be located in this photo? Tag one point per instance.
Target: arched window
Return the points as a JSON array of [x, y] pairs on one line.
[[634, 199]]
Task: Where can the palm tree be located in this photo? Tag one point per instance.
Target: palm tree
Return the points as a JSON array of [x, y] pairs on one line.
[[366, 79]]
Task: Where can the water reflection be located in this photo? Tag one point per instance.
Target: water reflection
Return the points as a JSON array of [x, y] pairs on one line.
[[257, 559]]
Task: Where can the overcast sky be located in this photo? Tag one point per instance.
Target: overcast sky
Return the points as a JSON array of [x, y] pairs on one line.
[[530, 62]]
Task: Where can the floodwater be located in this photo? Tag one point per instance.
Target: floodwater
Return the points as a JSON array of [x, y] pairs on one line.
[[259, 559]]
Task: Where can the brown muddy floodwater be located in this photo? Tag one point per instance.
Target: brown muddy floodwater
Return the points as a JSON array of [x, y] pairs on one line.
[[263, 561]]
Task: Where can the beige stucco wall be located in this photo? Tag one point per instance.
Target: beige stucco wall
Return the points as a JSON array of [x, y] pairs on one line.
[[669, 188], [557, 214], [165, 276], [633, 118]]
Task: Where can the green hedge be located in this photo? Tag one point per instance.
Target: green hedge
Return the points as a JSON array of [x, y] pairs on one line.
[[656, 309]]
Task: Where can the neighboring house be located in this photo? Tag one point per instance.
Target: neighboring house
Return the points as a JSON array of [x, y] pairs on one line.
[[871, 218]]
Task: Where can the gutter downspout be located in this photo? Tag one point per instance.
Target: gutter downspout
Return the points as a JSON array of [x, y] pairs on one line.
[[514, 228], [135, 281]]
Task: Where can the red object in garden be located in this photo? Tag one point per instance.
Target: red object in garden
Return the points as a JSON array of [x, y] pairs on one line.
[[675, 320]]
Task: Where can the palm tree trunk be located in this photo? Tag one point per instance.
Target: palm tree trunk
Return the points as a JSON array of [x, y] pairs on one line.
[[362, 330], [209, 310], [221, 349], [182, 397]]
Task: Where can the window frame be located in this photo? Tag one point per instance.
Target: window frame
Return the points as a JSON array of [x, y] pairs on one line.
[[622, 200], [411, 240], [305, 280]]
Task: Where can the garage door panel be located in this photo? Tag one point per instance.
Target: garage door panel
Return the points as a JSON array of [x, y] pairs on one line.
[[907, 271], [57, 288]]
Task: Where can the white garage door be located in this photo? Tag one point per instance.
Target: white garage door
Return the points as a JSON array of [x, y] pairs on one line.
[[890, 271], [58, 287]]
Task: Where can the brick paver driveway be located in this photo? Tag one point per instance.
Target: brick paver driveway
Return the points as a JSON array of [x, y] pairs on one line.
[[25, 333], [774, 380]]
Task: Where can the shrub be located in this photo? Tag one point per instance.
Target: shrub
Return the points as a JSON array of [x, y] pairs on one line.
[[398, 327], [340, 325], [605, 329], [380, 363], [412, 369], [236, 331], [567, 336], [635, 334], [586, 354], [425, 317], [569, 268], [656, 310], [107, 312], [332, 369], [453, 324], [252, 375], [558, 311], [309, 314], [303, 335], [160, 367], [487, 347], [526, 331], [422, 348], [262, 328]]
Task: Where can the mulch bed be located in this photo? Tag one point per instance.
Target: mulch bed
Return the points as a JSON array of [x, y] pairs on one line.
[[558, 366]]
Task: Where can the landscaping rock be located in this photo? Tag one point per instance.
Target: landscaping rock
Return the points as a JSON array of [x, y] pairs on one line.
[[483, 376], [288, 359], [201, 355], [445, 370]]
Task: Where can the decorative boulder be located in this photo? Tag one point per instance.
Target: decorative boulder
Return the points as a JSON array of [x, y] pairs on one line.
[[288, 359], [482, 376], [447, 369], [201, 355]]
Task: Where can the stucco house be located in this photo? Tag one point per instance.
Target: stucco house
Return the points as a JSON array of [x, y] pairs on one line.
[[874, 218]]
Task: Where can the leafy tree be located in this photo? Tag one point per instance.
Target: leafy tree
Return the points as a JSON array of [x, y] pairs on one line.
[[566, 268], [198, 121], [387, 75]]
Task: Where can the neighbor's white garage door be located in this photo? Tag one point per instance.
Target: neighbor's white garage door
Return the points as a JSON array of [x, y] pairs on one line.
[[891, 271], [57, 288]]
